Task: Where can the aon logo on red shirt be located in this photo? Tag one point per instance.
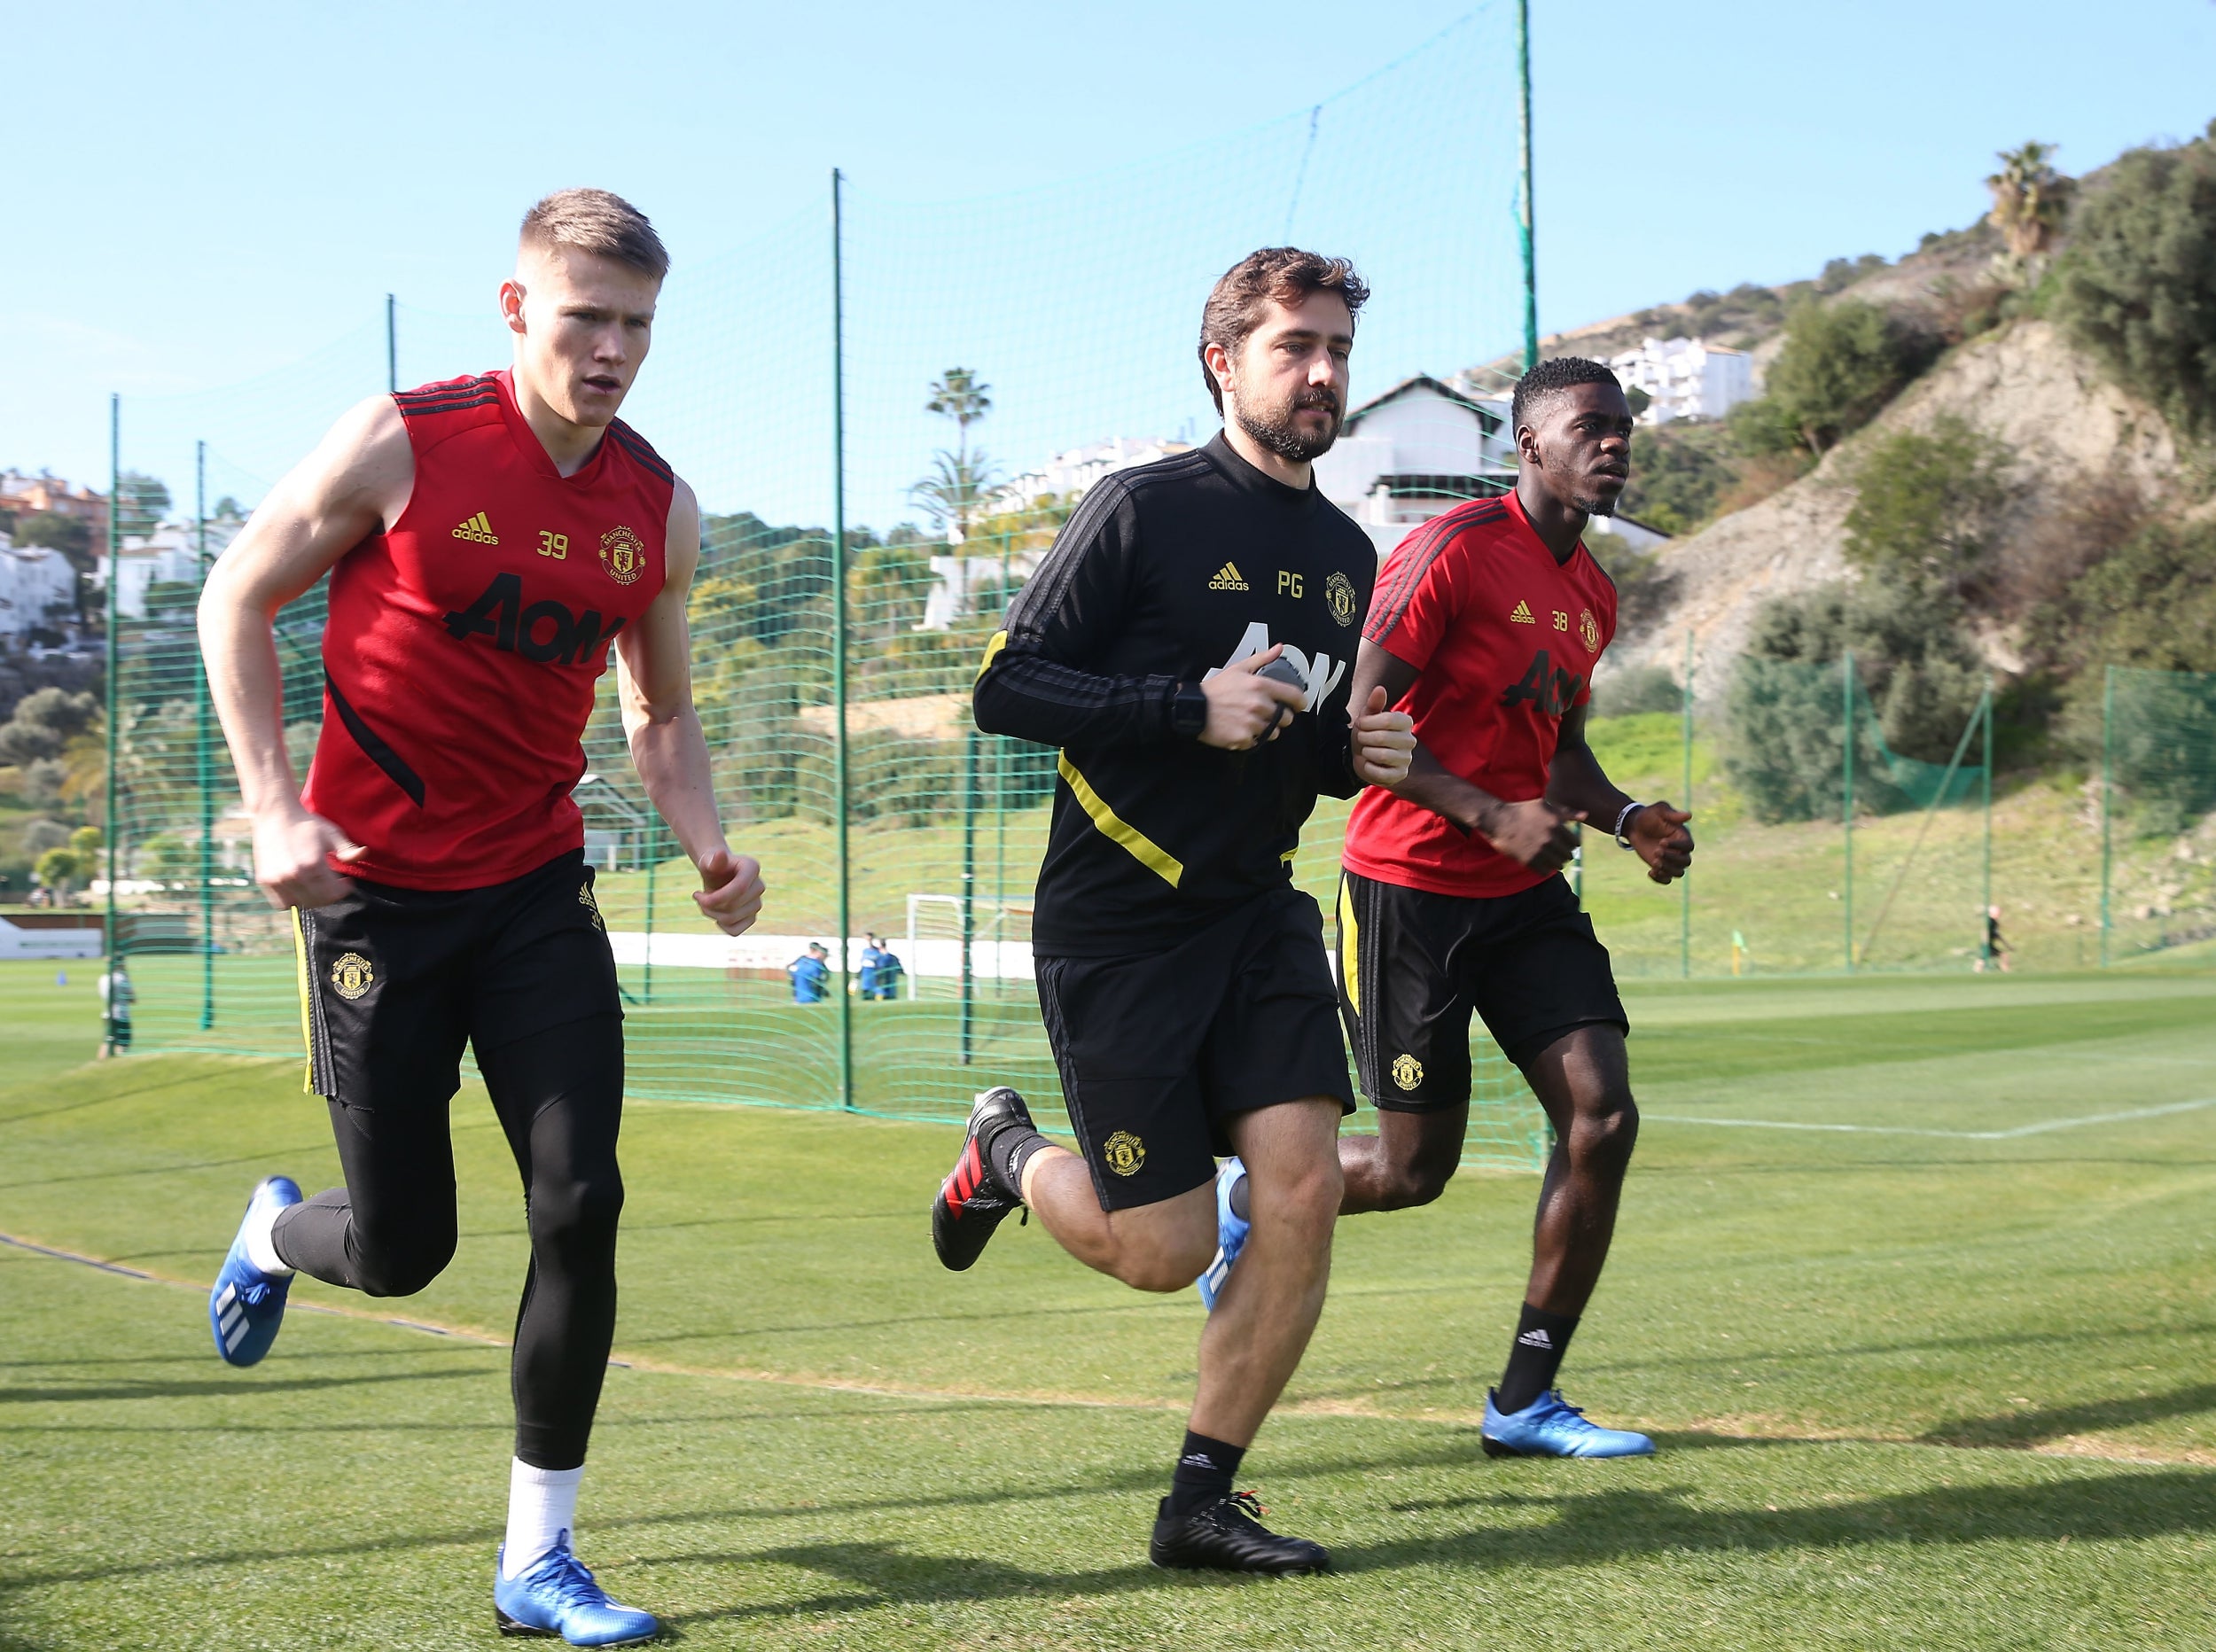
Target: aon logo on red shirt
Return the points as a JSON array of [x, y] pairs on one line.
[[547, 632], [1550, 689]]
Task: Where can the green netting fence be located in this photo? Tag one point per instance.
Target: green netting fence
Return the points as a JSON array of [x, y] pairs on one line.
[[859, 547]]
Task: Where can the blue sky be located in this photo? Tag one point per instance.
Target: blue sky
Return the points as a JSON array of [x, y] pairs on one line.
[[208, 193]]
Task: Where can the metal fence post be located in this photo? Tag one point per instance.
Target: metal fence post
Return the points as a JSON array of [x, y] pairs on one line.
[[200, 777], [1984, 908], [969, 888], [1846, 806], [2108, 790], [1685, 884], [838, 628], [108, 811]]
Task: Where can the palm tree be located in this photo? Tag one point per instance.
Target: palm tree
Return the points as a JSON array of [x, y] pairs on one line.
[[955, 487], [2030, 200]]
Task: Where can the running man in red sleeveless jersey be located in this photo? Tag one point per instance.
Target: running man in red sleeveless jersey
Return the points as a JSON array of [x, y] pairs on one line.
[[1486, 628], [491, 542]]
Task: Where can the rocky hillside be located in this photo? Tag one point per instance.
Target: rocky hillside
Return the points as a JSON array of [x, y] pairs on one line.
[[2064, 423]]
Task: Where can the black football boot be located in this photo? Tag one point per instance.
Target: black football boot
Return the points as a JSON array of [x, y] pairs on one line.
[[1226, 1537], [971, 1204]]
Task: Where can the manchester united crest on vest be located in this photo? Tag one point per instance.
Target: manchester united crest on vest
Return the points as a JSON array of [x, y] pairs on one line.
[[623, 554]]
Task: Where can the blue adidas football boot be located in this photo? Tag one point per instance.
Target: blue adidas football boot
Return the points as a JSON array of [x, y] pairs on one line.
[[246, 1306], [1551, 1426], [1231, 1231], [558, 1597]]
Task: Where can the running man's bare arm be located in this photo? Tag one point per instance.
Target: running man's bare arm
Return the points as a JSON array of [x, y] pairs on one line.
[[654, 686], [1575, 782], [356, 483]]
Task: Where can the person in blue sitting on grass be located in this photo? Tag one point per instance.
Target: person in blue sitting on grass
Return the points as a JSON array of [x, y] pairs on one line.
[[811, 974]]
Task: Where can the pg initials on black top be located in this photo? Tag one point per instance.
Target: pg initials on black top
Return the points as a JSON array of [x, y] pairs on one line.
[[1166, 574]]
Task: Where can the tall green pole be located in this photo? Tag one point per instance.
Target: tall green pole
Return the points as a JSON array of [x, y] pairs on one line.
[[2108, 794], [1985, 900], [838, 624], [108, 806], [969, 886], [1846, 807], [1685, 883], [653, 864], [201, 779], [1524, 198], [392, 345]]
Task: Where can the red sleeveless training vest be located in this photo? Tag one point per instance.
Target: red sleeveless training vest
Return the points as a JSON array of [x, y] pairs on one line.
[[466, 641]]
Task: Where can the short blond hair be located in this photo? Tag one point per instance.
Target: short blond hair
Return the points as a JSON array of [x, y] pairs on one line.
[[595, 221]]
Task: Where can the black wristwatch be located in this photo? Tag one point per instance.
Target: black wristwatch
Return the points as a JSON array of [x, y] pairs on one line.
[[1188, 711]]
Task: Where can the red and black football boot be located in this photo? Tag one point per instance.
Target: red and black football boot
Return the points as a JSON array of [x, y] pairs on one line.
[[971, 1203], [1226, 1537]]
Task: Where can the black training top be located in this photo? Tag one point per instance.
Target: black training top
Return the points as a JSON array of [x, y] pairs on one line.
[[1166, 574]]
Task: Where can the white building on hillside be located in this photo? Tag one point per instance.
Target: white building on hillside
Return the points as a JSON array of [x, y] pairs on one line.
[[1685, 377], [1419, 449], [170, 555], [36, 582], [1077, 470]]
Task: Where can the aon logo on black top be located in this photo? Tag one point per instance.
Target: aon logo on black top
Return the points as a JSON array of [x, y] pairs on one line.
[[546, 632], [1550, 689]]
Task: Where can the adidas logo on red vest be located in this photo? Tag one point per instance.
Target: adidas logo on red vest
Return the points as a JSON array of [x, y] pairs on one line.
[[478, 528]]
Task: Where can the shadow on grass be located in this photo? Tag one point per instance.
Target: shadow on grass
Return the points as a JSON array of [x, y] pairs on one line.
[[218, 1387], [1587, 1529], [2024, 1429]]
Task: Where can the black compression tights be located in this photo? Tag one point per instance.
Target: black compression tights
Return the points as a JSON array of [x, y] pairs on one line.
[[392, 1228]]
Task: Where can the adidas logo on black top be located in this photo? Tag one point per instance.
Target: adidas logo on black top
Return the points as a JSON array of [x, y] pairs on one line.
[[1228, 579], [478, 528]]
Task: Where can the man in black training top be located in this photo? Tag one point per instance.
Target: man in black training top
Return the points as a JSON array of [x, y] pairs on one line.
[[1182, 977]]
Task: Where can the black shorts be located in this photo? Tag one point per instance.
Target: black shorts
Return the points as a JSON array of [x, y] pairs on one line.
[[1157, 1050], [1413, 965], [394, 982]]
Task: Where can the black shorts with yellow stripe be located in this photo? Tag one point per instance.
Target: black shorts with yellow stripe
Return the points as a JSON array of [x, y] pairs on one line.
[[394, 982], [1414, 966], [1158, 1051]]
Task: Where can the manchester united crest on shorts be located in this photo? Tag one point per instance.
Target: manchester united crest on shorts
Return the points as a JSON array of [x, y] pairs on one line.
[[623, 554], [352, 975], [1408, 1072], [1124, 1152], [1589, 630], [1341, 598]]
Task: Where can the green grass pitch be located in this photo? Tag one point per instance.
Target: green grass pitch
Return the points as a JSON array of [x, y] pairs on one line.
[[1928, 1355]]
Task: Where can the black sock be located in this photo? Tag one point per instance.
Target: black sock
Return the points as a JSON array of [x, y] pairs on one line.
[[1541, 1339], [1205, 1472], [1006, 1149]]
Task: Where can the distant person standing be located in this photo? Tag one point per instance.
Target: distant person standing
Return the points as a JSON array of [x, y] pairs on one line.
[[811, 974], [1994, 951], [881, 971], [117, 995]]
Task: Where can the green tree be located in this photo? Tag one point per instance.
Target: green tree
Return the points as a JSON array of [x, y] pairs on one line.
[[1840, 364], [87, 841], [1678, 472], [955, 490], [1785, 723], [44, 724], [2030, 201], [56, 870], [1925, 503], [2137, 285], [142, 501]]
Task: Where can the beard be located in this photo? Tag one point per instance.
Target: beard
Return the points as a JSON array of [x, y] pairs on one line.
[[1273, 426], [1598, 507]]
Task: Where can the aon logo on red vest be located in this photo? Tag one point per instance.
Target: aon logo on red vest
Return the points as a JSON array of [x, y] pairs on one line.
[[547, 631]]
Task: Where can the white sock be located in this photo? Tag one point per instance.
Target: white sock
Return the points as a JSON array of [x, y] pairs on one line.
[[542, 1511], [260, 1247]]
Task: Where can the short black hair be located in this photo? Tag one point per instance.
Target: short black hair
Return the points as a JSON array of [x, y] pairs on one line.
[[1552, 376]]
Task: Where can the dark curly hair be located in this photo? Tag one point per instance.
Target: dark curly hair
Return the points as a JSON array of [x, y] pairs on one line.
[[1242, 297], [1549, 378]]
